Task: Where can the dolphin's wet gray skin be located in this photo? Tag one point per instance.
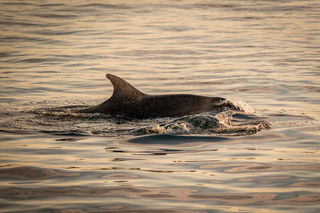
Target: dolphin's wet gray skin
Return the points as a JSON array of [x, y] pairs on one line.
[[129, 102]]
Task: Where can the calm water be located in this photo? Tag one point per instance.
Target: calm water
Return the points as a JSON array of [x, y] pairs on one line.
[[264, 54]]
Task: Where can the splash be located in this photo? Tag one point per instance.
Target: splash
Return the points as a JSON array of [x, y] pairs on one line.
[[224, 123], [172, 129], [243, 106], [227, 122], [50, 119]]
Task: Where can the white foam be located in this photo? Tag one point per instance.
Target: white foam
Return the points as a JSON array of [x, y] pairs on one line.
[[243, 106], [159, 129], [177, 128]]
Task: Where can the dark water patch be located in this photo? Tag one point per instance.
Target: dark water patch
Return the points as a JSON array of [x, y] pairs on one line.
[[258, 89], [125, 159], [18, 132], [246, 116], [68, 139], [309, 143], [48, 72], [175, 140], [158, 52], [276, 8], [57, 33], [116, 209], [208, 5], [55, 16], [16, 3], [14, 23], [107, 6], [159, 151], [5, 54], [137, 169], [34, 60], [27, 173], [120, 176], [42, 60], [29, 39], [52, 5], [65, 133]]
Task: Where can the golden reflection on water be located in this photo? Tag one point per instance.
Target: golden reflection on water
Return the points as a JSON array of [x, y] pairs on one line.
[[265, 53], [261, 167]]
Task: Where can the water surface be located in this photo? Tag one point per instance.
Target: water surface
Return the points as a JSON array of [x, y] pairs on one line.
[[54, 56]]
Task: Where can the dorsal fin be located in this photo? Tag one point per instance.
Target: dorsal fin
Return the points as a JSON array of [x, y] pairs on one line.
[[122, 90]]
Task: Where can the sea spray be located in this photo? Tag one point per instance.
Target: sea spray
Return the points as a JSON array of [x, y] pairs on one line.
[[243, 106]]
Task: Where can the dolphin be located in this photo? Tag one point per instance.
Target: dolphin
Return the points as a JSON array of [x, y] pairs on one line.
[[129, 102]]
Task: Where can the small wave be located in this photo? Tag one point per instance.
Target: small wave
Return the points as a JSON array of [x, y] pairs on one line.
[[66, 121], [223, 123], [228, 122]]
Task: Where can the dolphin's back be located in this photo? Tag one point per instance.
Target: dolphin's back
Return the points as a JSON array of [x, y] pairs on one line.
[[126, 100], [175, 105]]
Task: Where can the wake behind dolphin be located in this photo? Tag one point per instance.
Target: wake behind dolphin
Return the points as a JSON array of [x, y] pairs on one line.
[[129, 102]]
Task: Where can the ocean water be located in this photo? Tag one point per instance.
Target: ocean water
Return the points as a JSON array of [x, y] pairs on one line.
[[261, 55]]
